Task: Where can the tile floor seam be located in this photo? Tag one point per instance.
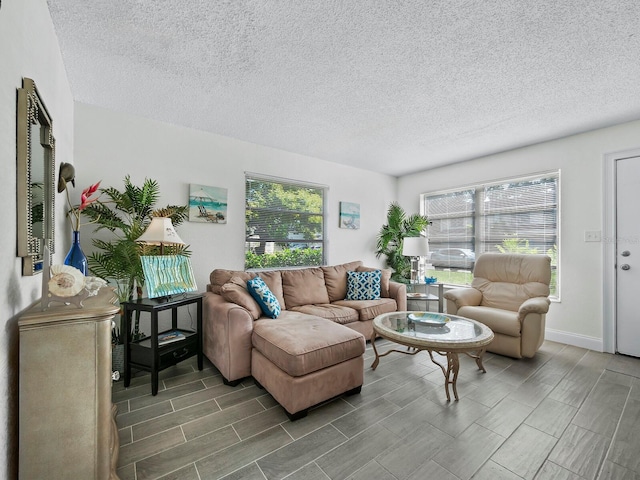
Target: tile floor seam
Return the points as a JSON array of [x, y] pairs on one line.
[[154, 453], [570, 422], [445, 468], [593, 387], [546, 459], [187, 440], [506, 439], [261, 471], [198, 459], [153, 419], [171, 399], [321, 469], [296, 470], [385, 469], [613, 437], [255, 460], [559, 466]]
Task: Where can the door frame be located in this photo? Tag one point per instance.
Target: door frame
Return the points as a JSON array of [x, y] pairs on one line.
[[609, 289]]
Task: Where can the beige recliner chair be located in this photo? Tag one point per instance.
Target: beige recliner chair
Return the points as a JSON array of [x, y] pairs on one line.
[[509, 293]]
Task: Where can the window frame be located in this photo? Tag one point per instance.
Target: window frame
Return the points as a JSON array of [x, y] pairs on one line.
[[479, 239], [324, 189]]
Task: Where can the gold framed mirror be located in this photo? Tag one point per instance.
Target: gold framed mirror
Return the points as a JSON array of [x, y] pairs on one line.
[[35, 151]]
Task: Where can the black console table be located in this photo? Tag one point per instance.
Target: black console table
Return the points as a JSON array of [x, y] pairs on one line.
[[146, 354]]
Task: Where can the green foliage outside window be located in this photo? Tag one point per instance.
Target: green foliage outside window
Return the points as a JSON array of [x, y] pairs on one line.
[[516, 245], [285, 258]]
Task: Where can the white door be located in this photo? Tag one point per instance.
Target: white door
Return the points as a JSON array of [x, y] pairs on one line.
[[628, 256]]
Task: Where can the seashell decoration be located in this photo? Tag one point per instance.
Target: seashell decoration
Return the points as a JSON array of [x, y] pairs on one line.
[[93, 284], [66, 281]]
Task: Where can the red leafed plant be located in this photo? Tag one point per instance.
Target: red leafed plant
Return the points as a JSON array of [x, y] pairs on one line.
[[85, 200]]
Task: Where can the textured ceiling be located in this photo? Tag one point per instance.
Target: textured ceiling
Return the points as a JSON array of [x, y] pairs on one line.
[[389, 86]]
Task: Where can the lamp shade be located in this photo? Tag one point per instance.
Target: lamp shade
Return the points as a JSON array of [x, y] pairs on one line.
[[415, 247], [160, 231]]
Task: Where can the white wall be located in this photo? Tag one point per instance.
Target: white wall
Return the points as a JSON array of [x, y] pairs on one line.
[[578, 317], [110, 145], [28, 48]]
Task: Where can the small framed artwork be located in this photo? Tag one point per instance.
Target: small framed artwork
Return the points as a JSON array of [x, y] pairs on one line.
[[207, 204], [350, 215]]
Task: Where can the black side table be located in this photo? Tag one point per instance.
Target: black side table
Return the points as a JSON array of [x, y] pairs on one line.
[[146, 354]]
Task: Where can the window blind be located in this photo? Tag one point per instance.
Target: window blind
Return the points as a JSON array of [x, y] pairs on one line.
[[284, 223], [519, 215]]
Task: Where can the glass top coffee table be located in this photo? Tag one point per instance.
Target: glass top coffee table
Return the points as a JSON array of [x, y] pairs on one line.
[[447, 335]]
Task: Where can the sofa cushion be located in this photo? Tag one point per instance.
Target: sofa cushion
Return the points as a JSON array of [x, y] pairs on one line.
[[335, 313], [235, 291], [304, 287], [363, 285], [273, 279], [369, 309], [265, 298], [384, 279], [220, 276], [335, 279], [299, 347]]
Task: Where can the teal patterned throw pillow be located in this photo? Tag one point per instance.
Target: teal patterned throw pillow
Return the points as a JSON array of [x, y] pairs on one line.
[[363, 285], [265, 297]]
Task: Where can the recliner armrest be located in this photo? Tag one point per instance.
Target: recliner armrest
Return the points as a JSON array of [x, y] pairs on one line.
[[463, 297], [533, 305]]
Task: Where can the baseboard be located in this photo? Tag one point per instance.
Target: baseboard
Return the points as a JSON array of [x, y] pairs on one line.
[[574, 339]]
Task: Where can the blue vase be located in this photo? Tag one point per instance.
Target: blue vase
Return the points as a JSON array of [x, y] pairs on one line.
[[76, 257]]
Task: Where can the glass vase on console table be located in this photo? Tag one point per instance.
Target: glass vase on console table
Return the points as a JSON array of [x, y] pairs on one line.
[[76, 257]]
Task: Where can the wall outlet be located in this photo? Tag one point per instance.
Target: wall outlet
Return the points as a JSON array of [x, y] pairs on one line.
[[592, 236]]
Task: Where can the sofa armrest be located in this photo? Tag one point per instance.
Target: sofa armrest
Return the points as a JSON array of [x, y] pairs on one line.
[[398, 291], [462, 297], [226, 336], [533, 305]]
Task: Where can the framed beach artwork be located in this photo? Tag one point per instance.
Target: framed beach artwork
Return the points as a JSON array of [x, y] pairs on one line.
[[207, 204], [350, 215]]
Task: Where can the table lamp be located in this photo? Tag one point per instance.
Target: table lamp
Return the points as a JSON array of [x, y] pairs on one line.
[[415, 247], [160, 232], [165, 275]]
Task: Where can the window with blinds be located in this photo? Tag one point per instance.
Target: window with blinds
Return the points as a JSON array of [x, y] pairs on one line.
[[284, 223], [518, 215]]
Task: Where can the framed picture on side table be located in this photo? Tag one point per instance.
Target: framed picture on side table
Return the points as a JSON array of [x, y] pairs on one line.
[[167, 275]]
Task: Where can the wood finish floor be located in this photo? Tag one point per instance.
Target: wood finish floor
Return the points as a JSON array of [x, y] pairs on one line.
[[568, 413]]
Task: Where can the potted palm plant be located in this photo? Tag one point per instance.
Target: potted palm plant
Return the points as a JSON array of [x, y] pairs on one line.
[[126, 215], [391, 238]]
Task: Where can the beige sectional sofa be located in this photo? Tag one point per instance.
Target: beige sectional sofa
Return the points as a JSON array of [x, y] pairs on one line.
[[313, 350]]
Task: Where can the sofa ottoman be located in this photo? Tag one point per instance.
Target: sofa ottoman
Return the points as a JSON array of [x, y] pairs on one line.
[[304, 362]]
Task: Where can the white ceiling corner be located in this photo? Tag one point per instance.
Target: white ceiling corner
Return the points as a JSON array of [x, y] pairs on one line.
[[393, 87]]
